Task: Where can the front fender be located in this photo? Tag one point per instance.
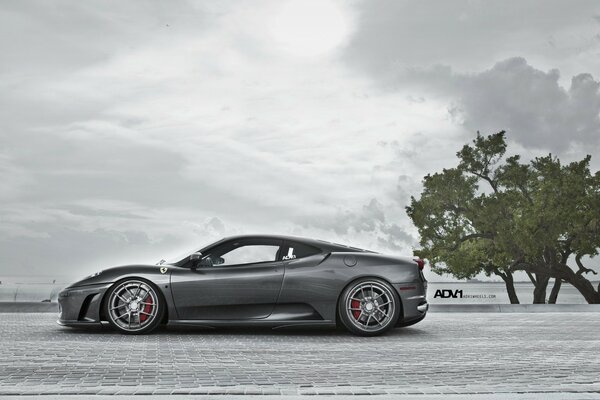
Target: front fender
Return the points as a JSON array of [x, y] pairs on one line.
[[81, 302], [155, 273]]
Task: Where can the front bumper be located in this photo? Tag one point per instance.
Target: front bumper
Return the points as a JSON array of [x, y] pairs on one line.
[[81, 305]]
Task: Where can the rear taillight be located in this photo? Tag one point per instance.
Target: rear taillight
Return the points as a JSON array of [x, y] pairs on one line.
[[420, 263]]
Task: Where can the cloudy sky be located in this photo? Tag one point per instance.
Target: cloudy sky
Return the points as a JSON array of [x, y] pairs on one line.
[[133, 130]]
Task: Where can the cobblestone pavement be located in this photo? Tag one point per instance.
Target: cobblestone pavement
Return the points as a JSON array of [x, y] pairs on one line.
[[459, 354]]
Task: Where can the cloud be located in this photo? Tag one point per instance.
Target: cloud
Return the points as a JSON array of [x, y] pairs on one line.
[[67, 241], [130, 132], [529, 103], [396, 238], [443, 52], [368, 225], [369, 217], [468, 35], [157, 137]]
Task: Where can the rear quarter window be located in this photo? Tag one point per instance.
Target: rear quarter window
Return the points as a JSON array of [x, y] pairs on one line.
[[299, 250]]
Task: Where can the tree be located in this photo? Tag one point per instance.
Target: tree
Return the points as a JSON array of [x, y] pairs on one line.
[[497, 215]]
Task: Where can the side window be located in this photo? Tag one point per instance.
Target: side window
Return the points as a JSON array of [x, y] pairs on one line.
[[248, 254], [299, 250]]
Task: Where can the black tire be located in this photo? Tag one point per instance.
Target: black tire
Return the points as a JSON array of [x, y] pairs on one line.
[[134, 299], [369, 307]]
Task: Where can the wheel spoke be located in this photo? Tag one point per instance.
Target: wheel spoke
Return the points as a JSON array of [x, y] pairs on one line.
[[122, 316], [138, 290], [122, 298], [128, 291], [117, 307], [145, 313]]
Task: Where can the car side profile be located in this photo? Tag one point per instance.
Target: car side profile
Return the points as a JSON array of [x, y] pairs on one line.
[[272, 281]]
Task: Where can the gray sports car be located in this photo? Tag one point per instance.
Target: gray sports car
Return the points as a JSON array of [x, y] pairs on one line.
[[274, 281]]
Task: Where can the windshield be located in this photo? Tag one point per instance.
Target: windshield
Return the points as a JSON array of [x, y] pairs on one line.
[[182, 254]]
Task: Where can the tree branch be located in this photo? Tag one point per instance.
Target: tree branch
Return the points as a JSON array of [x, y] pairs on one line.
[[500, 273], [531, 278], [567, 251], [486, 178], [512, 267], [482, 235], [525, 193], [582, 269]]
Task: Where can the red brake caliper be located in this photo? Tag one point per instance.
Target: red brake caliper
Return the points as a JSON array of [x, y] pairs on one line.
[[355, 304], [147, 308]]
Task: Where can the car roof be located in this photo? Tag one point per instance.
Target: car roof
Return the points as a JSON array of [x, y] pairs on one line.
[[322, 244]]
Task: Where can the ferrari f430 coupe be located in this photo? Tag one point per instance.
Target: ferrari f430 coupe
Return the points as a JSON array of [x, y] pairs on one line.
[[274, 281]]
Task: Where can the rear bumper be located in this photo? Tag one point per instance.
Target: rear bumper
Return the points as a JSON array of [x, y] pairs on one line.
[[413, 296]]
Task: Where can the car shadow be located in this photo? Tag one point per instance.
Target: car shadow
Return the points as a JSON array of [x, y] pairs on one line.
[[308, 331]]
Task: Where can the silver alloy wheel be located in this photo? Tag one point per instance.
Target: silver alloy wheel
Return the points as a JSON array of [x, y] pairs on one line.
[[370, 306], [133, 305]]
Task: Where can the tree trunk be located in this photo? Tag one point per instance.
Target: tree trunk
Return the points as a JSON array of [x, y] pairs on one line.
[[539, 292], [510, 287], [554, 292], [564, 272], [586, 289]]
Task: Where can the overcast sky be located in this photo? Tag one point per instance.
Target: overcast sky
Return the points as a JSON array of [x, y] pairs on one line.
[[131, 131]]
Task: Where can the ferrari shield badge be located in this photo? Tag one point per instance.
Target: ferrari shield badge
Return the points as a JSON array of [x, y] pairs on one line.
[[163, 270]]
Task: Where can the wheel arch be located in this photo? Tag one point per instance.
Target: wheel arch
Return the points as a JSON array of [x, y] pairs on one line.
[[104, 317], [358, 278]]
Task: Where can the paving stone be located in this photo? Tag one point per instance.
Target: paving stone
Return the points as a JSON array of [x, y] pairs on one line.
[[455, 354]]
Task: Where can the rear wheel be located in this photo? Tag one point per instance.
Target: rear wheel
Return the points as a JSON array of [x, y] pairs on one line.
[[134, 306], [369, 307]]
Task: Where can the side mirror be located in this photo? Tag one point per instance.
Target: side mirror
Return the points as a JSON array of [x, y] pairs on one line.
[[198, 260]]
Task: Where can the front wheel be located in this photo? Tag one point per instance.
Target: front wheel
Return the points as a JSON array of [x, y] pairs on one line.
[[369, 307], [134, 306]]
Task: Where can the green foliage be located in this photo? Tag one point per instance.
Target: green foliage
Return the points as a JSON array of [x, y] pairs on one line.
[[495, 214]]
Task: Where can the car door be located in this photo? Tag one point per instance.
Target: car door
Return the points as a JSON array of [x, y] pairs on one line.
[[243, 282]]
